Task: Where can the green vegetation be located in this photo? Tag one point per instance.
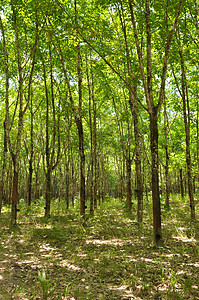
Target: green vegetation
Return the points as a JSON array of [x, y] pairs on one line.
[[108, 256], [99, 149]]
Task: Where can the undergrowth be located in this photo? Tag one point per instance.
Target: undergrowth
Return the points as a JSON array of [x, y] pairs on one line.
[[105, 256]]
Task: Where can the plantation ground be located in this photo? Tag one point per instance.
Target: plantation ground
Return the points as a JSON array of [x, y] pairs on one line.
[[108, 257]]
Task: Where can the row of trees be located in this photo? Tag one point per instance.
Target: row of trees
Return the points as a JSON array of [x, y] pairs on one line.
[[99, 97]]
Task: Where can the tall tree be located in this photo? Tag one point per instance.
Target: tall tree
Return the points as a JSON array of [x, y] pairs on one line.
[[153, 108], [5, 149], [15, 154]]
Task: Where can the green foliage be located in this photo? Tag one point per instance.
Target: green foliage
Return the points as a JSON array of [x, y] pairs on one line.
[[45, 284], [111, 243]]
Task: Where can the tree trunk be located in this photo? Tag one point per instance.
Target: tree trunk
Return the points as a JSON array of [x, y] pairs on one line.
[[197, 132], [138, 156], [82, 169], [31, 156], [94, 154], [5, 150], [138, 166], [186, 113], [48, 193], [6, 122], [67, 185], [91, 97], [14, 198], [147, 80], [166, 167], [72, 178], [155, 180], [15, 157], [181, 184], [47, 151], [128, 175]]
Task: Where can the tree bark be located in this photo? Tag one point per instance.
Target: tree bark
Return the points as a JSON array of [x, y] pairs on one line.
[[6, 124], [82, 169], [186, 113], [128, 175], [166, 167], [138, 157], [155, 180], [91, 95], [47, 152], [181, 184], [31, 155]]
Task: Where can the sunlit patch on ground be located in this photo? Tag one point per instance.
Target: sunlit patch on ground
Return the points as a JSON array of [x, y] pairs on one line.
[[65, 263], [185, 239], [127, 293], [113, 242]]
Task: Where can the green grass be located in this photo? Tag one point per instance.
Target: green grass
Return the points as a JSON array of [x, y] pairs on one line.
[[108, 256]]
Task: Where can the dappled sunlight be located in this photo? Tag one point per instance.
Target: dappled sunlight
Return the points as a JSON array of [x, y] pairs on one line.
[[51, 252], [110, 258], [194, 265], [185, 239], [114, 242], [34, 263], [4, 261], [127, 293], [65, 263], [46, 247], [172, 255], [149, 260]]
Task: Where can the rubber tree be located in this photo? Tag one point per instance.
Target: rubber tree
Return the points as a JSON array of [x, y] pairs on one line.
[[77, 113], [5, 149], [183, 91], [152, 107], [15, 153]]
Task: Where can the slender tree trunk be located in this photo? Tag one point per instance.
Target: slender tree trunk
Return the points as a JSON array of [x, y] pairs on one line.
[[31, 156], [6, 116], [91, 188], [138, 156], [47, 152], [5, 150], [82, 169], [91, 97], [81, 136], [103, 179], [48, 193], [153, 110], [37, 169], [14, 198], [9, 182], [155, 180], [167, 158], [50, 148], [133, 101], [186, 112], [197, 130], [67, 186], [15, 157], [128, 175], [181, 184], [72, 179], [94, 154]]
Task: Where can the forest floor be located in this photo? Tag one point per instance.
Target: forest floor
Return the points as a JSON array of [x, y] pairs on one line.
[[110, 256]]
